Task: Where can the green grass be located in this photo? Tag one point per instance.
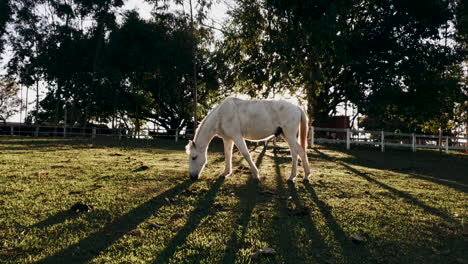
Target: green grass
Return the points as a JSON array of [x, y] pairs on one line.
[[407, 207]]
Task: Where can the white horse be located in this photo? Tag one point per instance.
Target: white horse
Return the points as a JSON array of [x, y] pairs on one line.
[[235, 120]]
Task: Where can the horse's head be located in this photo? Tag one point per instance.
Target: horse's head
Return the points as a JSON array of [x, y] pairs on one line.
[[197, 159]]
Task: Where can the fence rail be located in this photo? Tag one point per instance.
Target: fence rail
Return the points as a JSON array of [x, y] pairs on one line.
[[383, 139], [318, 135], [92, 132]]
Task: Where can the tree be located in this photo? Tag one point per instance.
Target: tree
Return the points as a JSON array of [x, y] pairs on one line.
[[5, 13], [379, 55], [137, 70], [9, 101], [154, 73]]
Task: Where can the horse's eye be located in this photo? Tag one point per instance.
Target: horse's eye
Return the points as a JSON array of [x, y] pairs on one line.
[[194, 158]]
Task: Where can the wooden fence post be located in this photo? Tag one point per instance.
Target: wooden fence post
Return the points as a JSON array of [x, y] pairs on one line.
[[413, 142], [94, 133], [348, 142], [12, 130], [382, 141], [446, 145], [312, 135], [176, 135]]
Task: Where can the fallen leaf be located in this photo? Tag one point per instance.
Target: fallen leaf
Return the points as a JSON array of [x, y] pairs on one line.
[[142, 168], [155, 225], [268, 251], [356, 239], [268, 192]]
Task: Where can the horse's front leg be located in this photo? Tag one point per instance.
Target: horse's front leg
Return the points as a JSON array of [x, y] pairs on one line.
[[240, 143], [228, 144]]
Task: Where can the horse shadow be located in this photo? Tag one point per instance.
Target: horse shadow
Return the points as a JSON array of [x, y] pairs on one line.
[[287, 239], [249, 197], [202, 210]]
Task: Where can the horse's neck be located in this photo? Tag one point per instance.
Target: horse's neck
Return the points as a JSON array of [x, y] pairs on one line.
[[206, 132]]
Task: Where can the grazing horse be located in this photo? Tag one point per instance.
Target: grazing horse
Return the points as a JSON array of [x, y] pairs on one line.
[[235, 120]]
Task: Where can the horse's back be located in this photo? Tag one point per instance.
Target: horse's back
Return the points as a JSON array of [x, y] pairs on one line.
[[257, 119]]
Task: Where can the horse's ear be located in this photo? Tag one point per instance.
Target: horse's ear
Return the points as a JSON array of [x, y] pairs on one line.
[[187, 148]]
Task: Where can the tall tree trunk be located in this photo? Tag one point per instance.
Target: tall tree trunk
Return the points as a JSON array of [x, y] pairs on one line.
[[317, 104], [27, 100], [37, 100]]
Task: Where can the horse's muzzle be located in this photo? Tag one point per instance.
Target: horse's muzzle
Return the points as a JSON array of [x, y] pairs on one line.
[[193, 176]]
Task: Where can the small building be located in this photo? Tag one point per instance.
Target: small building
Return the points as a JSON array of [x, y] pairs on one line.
[[341, 122]]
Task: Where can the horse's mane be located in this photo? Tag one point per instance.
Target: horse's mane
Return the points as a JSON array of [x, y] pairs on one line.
[[204, 121]]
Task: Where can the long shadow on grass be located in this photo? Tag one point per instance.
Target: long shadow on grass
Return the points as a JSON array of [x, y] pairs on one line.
[[406, 196], [288, 223], [202, 209], [248, 200], [91, 246], [62, 216], [351, 253], [424, 165], [57, 218]]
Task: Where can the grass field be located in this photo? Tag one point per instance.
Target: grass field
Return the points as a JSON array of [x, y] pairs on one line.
[[402, 207]]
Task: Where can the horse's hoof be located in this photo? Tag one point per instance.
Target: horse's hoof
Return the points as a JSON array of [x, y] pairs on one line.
[[291, 180]]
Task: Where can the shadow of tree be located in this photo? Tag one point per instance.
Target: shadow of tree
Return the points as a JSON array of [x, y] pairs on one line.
[[408, 198], [91, 246], [350, 252], [57, 218], [449, 170]]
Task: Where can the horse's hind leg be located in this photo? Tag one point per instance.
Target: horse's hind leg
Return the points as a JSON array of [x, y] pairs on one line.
[[240, 143], [228, 144], [305, 161], [293, 146]]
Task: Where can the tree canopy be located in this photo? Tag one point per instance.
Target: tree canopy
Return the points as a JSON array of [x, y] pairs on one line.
[[385, 57], [400, 63]]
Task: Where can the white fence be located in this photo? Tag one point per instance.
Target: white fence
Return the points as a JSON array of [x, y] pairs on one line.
[[348, 137], [91, 132], [382, 139]]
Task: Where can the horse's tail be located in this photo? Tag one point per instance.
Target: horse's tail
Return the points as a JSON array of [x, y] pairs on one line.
[[304, 128]]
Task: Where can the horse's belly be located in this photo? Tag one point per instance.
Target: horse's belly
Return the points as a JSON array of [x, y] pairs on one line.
[[258, 138], [259, 134]]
